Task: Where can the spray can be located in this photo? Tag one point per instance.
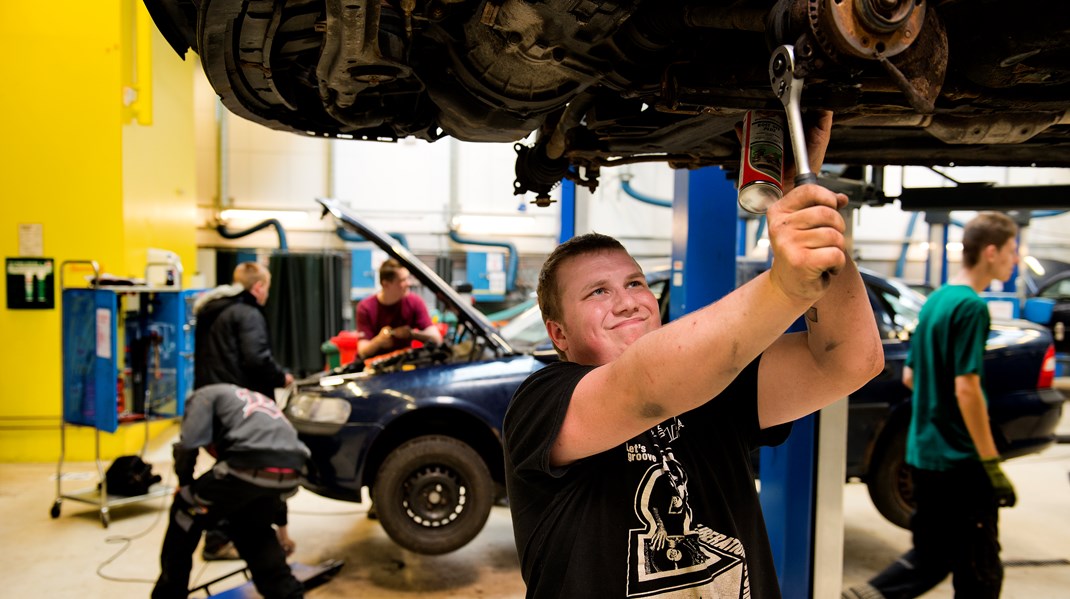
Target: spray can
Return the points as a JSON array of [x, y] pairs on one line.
[[761, 165]]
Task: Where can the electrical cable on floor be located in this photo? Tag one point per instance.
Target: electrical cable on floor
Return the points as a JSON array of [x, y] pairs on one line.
[[127, 540]]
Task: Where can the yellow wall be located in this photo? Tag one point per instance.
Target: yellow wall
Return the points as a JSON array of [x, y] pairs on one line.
[[62, 161], [159, 173]]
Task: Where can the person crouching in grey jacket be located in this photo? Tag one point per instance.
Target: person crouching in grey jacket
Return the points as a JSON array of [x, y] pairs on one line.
[[259, 462]]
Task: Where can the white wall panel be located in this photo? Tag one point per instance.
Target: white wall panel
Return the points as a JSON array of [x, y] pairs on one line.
[[485, 178], [410, 175], [273, 169], [489, 209], [643, 228]]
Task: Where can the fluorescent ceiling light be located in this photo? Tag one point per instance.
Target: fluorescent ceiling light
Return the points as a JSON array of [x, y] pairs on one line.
[[286, 217], [494, 224], [1034, 265]]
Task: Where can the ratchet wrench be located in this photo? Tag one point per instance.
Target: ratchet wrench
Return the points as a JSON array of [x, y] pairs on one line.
[[789, 89]]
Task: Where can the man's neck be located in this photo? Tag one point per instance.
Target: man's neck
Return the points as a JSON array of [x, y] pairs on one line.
[[977, 278], [387, 301]]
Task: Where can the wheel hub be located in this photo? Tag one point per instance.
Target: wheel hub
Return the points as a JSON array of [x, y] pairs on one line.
[[434, 496]]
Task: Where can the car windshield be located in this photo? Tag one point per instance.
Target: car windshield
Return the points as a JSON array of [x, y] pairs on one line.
[[526, 331], [1058, 291], [909, 302], [904, 301]]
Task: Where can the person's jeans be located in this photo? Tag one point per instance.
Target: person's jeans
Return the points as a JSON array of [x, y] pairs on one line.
[[956, 531], [249, 510]]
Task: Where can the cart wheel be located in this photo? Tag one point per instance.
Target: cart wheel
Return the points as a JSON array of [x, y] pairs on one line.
[[105, 519], [55, 510]]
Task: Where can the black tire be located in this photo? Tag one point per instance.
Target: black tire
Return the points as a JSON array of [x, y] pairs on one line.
[[433, 494], [891, 486], [54, 512]]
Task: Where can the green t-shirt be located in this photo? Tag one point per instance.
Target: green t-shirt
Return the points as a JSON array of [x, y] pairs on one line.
[[949, 341]]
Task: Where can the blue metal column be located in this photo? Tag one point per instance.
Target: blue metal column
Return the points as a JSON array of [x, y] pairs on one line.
[[703, 264], [568, 211], [788, 476]]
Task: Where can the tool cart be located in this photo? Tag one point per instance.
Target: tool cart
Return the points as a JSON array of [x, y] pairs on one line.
[[127, 360]]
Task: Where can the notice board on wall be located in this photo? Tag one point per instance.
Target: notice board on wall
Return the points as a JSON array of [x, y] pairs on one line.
[[31, 283]]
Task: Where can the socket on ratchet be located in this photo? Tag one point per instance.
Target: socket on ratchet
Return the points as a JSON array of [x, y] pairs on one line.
[[789, 90]]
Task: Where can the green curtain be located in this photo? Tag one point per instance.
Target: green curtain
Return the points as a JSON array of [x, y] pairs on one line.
[[304, 308]]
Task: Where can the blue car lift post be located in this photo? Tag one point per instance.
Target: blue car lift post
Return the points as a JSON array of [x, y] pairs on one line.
[[802, 479]]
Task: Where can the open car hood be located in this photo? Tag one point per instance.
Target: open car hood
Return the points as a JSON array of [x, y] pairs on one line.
[[467, 314]]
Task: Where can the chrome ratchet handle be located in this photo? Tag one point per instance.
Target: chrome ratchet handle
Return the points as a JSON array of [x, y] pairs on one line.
[[789, 90]]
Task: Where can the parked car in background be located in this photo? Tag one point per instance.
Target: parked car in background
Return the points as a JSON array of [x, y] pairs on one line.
[[1054, 284], [422, 429]]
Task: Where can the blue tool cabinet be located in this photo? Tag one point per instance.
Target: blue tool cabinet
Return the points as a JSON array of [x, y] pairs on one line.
[[127, 359]]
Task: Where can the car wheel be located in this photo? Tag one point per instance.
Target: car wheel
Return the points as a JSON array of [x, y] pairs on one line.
[[890, 484], [433, 494]]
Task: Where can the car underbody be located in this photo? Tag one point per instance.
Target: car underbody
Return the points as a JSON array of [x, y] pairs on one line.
[[610, 82]]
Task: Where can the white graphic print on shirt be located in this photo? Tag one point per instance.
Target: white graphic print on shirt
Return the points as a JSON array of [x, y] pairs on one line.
[[669, 555]]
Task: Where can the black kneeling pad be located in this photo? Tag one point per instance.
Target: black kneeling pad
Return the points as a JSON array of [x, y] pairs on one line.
[[129, 475]]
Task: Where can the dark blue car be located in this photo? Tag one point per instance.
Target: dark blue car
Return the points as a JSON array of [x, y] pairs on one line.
[[422, 429]]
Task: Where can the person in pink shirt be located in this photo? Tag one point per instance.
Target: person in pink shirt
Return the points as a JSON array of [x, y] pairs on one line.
[[392, 318]]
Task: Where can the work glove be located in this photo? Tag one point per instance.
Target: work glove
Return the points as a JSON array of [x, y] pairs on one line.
[[1001, 485], [185, 462]]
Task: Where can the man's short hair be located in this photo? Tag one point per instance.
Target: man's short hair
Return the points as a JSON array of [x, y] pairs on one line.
[[987, 228], [388, 271], [549, 291], [248, 274]]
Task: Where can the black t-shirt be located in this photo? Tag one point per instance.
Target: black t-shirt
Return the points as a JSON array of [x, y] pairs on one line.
[[672, 512]]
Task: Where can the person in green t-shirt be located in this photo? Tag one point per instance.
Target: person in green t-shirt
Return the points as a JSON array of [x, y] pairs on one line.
[[958, 483]]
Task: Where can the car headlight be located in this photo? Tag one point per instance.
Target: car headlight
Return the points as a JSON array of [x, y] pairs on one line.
[[316, 414]]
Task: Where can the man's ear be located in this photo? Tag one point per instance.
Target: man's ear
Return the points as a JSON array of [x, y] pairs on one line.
[[557, 335], [989, 253]]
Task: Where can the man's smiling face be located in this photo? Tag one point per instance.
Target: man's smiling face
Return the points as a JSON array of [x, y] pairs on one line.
[[605, 304]]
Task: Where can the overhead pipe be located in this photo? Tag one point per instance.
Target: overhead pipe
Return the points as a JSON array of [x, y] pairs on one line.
[[514, 256], [271, 222], [348, 235], [626, 185]]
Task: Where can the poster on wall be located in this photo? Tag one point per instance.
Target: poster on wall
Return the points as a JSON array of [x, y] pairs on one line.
[[30, 284]]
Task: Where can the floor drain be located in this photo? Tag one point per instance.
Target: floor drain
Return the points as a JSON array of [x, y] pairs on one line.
[[1034, 563]]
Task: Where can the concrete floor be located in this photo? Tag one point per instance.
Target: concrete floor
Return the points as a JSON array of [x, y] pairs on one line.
[[73, 556]]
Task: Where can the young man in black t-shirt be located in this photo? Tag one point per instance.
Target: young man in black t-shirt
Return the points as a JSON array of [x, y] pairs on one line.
[[624, 478]]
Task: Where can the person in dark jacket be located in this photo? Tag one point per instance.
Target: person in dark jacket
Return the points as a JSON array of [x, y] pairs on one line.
[[259, 463], [233, 345], [232, 340]]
